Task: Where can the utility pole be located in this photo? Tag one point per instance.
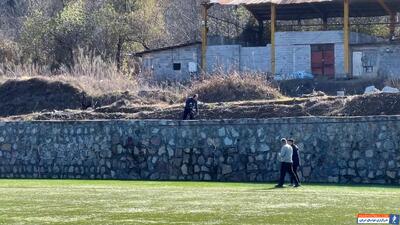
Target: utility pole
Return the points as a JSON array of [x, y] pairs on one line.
[[204, 31]]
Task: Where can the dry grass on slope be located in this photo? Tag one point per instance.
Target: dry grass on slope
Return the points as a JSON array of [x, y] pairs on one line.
[[235, 87]]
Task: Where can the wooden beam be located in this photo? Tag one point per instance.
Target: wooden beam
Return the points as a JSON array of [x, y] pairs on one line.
[[392, 15], [385, 7], [204, 32], [346, 32], [273, 30]]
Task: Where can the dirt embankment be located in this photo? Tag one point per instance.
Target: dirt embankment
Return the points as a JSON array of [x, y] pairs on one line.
[[18, 97], [37, 99], [381, 104]]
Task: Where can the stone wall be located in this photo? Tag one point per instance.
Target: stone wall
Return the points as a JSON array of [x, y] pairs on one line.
[[337, 150]]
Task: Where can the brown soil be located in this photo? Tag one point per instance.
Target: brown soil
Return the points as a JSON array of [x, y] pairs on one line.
[[376, 104], [235, 88], [40, 95], [380, 104], [295, 88], [38, 99], [34, 95]]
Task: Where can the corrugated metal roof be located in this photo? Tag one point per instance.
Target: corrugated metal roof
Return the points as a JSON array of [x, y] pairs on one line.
[[140, 54], [310, 9], [288, 2], [255, 2]]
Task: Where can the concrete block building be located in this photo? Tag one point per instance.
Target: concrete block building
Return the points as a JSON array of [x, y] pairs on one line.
[[174, 63], [326, 53], [316, 52]]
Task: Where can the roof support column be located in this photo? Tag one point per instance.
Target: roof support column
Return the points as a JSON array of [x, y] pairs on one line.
[[392, 27], [204, 31], [325, 22], [346, 23], [392, 15], [273, 29], [261, 32]]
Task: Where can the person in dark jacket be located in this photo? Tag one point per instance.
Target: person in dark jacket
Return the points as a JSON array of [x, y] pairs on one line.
[[191, 108], [296, 160]]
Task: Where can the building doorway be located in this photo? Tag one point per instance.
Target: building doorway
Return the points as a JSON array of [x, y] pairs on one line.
[[323, 60]]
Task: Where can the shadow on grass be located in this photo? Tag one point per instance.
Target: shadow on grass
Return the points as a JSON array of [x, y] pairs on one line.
[[257, 185], [355, 185], [271, 185]]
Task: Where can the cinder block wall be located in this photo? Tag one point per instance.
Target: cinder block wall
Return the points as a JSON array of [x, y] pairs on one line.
[[385, 59], [293, 49], [228, 58], [223, 58], [255, 59], [293, 54], [160, 63], [335, 150]]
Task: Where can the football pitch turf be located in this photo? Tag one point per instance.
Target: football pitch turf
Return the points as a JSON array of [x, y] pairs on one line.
[[139, 202]]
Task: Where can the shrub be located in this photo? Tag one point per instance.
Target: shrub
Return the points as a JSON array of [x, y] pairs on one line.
[[393, 82], [9, 51], [234, 87], [97, 78]]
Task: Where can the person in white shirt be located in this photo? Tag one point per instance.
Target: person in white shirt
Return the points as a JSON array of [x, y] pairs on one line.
[[285, 157]]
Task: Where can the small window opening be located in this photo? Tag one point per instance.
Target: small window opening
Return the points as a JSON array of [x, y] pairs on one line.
[[177, 66]]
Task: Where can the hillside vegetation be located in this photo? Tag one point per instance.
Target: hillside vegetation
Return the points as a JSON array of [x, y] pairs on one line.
[[72, 59], [76, 97], [49, 34]]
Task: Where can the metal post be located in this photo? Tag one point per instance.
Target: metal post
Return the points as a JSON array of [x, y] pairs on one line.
[[273, 29], [260, 32], [204, 31], [346, 23], [325, 23], [392, 15], [392, 27]]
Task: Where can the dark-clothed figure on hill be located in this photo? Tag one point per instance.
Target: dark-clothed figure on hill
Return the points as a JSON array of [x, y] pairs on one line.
[[191, 108], [296, 160]]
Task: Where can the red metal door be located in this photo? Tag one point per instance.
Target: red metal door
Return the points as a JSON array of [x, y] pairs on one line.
[[323, 60]]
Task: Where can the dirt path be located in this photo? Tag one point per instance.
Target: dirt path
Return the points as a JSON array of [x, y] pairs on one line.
[[363, 105]]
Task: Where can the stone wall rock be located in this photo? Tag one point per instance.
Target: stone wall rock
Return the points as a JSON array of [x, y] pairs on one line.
[[334, 150]]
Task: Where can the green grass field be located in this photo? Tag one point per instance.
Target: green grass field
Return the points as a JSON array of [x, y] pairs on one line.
[[130, 202]]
